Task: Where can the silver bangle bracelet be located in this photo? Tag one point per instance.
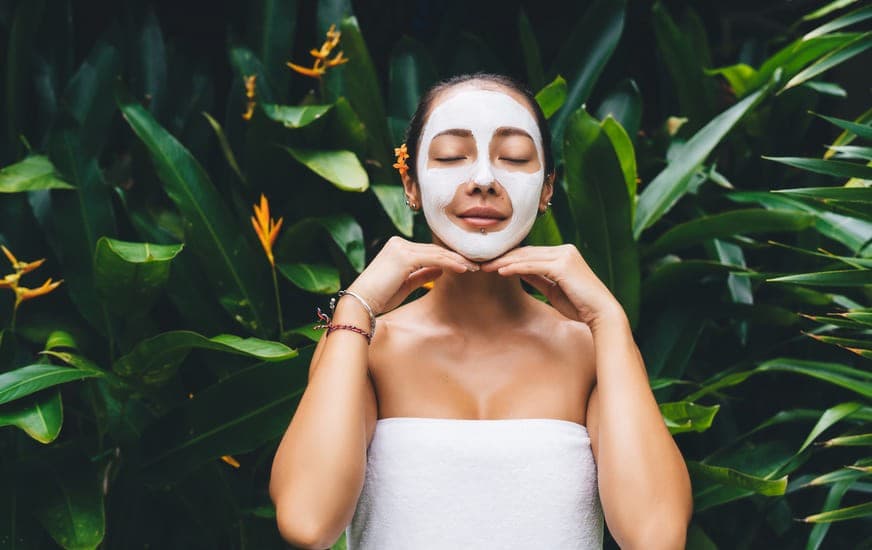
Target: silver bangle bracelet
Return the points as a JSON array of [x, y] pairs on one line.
[[342, 293]]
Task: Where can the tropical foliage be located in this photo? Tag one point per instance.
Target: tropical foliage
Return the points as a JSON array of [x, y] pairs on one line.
[[194, 216]]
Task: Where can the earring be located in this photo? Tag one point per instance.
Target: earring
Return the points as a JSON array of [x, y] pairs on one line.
[[549, 203], [410, 204]]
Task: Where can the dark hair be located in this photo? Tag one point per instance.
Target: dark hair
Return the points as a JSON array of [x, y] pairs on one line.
[[416, 125]]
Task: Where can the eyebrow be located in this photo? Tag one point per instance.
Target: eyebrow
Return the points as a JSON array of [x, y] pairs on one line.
[[501, 132]]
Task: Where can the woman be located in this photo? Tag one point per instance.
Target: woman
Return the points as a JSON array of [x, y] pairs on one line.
[[479, 416]]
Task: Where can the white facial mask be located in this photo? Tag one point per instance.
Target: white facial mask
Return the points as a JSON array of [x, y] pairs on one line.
[[481, 112]]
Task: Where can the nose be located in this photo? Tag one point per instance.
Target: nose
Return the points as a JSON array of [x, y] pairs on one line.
[[483, 176]]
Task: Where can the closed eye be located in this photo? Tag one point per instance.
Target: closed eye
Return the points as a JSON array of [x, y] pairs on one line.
[[516, 161], [449, 159]]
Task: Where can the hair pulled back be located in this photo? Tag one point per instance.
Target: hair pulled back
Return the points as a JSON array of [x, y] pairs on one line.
[[416, 124]]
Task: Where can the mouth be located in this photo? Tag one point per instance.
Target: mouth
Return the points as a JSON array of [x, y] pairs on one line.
[[481, 216]]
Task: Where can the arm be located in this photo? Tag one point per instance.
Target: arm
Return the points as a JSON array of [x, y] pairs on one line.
[[643, 480], [644, 485], [318, 470]]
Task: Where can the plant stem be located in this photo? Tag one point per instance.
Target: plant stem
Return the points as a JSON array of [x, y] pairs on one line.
[[278, 301], [12, 324]]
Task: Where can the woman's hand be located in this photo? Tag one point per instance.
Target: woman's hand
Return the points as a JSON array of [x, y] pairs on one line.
[[562, 275], [402, 266]]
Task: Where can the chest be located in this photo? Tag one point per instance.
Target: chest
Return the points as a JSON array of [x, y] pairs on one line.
[[517, 377]]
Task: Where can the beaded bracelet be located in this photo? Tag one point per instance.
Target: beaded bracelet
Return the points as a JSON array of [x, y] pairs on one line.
[[330, 326]]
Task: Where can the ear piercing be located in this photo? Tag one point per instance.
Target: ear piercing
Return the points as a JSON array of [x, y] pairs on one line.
[[412, 205]]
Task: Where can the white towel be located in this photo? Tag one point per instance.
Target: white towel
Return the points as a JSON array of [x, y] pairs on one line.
[[445, 483]]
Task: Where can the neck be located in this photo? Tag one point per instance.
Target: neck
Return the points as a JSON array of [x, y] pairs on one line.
[[477, 299]]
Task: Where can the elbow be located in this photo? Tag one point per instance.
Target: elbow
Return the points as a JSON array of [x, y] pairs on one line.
[[299, 531], [659, 537]]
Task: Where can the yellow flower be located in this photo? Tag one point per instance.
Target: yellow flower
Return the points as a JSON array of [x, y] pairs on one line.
[[21, 267], [266, 228], [322, 63], [11, 280], [22, 293], [249, 93], [401, 154]]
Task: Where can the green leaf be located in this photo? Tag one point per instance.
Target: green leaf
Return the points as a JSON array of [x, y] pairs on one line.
[[225, 147], [600, 207], [34, 172], [130, 276], [584, 56], [68, 501], [358, 81], [626, 154], [834, 498], [72, 222], [342, 229], [27, 380], [861, 130], [850, 152], [293, 116], [684, 60], [88, 96], [844, 277], [848, 19], [739, 76], [850, 231], [233, 416], [392, 199], [552, 96], [733, 478], [273, 27], [624, 104], [410, 73], [727, 224], [842, 514], [341, 168], [321, 279], [830, 417], [860, 440], [683, 416], [530, 51], [795, 56], [827, 62], [238, 275], [861, 194], [40, 417], [155, 360], [672, 182], [827, 9], [545, 231], [248, 64], [836, 168]]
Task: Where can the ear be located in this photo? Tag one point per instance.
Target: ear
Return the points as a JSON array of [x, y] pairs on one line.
[[411, 189], [547, 191]]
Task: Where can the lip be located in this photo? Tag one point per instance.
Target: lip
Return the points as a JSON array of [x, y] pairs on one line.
[[480, 222], [482, 212]]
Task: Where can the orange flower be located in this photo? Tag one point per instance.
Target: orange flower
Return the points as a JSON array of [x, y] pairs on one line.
[[402, 154], [321, 64], [249, 93], [22, 293], [21, 267], [266, 228], [11, 280]]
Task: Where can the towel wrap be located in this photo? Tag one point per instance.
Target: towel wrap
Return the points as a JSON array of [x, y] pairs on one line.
[[445, 483]]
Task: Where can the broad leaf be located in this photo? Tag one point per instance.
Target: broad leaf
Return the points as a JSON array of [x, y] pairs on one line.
[[24, 381], [236, 272], [40, 417], [341, 168], [34, 172], [155, 360], [129, 276]]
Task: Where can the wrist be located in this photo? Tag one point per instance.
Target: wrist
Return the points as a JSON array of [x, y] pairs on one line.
[[609, 316]]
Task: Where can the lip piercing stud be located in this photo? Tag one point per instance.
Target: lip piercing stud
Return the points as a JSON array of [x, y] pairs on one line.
[[482, 230]]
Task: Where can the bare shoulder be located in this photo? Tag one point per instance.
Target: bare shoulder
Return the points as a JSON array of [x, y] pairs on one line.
[[571, 338]]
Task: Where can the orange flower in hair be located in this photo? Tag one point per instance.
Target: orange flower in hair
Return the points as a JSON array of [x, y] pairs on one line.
[[402, 154]]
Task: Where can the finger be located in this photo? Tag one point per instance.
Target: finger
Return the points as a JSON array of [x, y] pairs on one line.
[[540, 283], [439, 257], [541, 267], [522, 253], [423, 276]]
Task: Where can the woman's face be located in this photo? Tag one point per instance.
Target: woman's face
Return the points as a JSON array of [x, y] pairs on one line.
[[480, 170]]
